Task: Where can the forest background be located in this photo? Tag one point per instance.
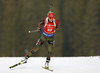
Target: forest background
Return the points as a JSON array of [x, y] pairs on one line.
[[78, 34]]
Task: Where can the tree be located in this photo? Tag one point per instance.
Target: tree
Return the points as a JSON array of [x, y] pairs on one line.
[[92, 29]]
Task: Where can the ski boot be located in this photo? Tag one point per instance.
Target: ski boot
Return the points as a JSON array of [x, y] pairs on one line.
[[47, 65], [25, 59]]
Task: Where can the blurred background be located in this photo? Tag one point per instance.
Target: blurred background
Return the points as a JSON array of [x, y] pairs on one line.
[[78, 34]]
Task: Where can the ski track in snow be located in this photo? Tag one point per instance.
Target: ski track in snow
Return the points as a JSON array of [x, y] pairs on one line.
[[58, 64]]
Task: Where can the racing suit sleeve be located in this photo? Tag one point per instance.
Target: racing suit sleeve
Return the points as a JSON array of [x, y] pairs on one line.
[[40, 23], [57, 26]]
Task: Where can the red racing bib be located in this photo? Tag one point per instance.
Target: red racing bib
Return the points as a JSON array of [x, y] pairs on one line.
[[49, 27]]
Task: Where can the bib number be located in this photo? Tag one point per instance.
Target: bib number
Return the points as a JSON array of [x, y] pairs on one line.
[[49, 30]]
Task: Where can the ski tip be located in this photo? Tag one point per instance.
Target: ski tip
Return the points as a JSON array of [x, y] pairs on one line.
[[10, 67]]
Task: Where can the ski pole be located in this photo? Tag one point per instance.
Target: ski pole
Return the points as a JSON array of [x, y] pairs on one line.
[[33, 31]]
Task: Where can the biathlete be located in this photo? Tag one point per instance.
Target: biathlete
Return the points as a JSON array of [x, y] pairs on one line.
[[50, 26]]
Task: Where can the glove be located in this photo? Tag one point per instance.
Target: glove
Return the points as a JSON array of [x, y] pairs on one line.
[[56, 28], [39, 29]]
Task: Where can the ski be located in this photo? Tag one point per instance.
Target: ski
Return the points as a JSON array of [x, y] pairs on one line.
[[17, 64], [47, 69]]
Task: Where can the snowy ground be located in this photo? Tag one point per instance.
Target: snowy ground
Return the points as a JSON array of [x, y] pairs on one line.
[[58, 64]]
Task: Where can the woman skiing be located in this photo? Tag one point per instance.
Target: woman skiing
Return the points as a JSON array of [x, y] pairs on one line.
[[50, 26]]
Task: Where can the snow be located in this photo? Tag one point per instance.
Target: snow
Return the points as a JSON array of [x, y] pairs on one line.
[[58, 64]]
